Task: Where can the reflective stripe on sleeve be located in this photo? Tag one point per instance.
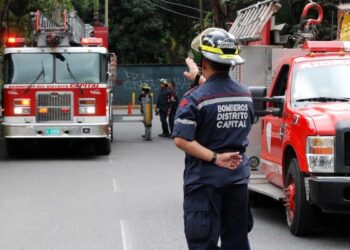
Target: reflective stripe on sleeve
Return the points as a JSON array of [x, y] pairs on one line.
[[185, 122], [225, 99]]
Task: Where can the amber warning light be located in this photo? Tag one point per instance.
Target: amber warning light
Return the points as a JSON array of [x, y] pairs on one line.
[[15, 42], [327, 46], [91, 41]]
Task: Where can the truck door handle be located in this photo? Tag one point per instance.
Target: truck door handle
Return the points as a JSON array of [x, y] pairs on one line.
[[282, 131]]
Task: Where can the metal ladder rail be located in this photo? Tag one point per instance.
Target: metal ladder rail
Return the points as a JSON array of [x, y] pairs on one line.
[[72, 25], [46, 24]]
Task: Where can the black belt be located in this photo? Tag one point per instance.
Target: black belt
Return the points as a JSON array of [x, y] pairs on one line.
[[239, 149]]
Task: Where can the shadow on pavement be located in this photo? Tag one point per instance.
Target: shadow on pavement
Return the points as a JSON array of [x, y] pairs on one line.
[[53, 149]]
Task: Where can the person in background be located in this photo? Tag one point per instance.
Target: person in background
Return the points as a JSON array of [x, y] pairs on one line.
[[145, 91], [211, 126], [174, 103], [163, 106]]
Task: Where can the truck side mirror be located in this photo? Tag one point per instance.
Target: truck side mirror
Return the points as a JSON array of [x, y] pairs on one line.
[[279, 100], [259, 103], [260, 100], [112, 67]]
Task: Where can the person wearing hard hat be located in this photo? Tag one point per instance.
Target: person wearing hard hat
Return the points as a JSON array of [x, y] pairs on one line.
[[162, 107], [211, 126], [145, 91], [174, 103]]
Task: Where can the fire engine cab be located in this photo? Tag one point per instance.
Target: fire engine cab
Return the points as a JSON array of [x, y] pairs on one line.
[[60, 88]]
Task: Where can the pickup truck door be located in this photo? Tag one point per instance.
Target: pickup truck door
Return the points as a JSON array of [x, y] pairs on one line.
[[273, 130]]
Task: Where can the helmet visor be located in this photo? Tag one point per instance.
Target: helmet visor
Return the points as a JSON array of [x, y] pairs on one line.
[[197, 41]]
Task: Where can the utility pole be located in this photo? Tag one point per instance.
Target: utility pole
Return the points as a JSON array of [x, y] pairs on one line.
[[201, 14], [106, 13], [96, 9]]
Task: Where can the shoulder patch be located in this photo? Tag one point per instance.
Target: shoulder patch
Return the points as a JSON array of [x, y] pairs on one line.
[[184, 102]]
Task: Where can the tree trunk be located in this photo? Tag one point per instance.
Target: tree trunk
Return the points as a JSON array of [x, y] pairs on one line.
[[3, 28], [220, 13]]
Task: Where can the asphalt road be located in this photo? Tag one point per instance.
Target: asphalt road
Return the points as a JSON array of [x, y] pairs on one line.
[[64, 199]]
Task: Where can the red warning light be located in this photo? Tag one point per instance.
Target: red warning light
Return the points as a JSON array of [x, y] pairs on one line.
[[15, 42], [11, 40]]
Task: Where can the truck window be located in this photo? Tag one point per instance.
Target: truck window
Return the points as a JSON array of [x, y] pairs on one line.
[[324, 78], [28, 68], [77, 68], [104, 68], [281, 82]]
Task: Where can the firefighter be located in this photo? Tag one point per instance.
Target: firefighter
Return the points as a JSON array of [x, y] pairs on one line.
[[211, 126], [145, 91], [174, 103], [162, 106]]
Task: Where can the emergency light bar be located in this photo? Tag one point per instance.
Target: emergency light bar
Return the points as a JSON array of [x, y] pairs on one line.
[[15, 42], [91, 41], [326, 46]]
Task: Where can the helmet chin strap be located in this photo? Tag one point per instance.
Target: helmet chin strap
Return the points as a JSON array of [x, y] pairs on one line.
[[199, 73]]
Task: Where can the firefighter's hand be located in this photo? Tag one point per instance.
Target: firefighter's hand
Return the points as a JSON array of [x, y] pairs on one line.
[[156, 111], [229, 160], [192, 71]]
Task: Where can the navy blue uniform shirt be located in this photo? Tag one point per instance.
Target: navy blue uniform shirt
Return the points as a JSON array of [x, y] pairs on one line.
[[218, 115], [163, 99]]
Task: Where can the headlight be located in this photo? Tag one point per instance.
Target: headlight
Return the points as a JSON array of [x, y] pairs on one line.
[[87, 110], [320, 154], [87, 106], [21, 110], [21, 106]]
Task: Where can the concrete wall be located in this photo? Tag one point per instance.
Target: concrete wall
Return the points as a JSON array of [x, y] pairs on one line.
[[130, 78]]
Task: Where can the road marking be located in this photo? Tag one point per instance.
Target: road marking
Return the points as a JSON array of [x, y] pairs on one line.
[[116, 188], [127, 243]]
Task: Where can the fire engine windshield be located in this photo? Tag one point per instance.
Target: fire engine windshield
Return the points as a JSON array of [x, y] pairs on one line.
[[65, 68], [325, 80], [77, 68], [29, 68]]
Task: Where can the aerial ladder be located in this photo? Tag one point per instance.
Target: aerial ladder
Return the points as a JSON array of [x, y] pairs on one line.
[[69, 33]]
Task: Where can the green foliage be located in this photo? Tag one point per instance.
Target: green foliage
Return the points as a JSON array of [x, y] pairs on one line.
[[141, 32]]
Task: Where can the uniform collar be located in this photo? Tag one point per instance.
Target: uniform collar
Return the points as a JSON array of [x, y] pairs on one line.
[[218, 76]]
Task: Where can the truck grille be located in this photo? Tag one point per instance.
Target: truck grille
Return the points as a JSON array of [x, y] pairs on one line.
[[54, 106], [347, 148]]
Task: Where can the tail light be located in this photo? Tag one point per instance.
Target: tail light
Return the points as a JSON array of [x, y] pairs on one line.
[[21, 106], [87, 106]]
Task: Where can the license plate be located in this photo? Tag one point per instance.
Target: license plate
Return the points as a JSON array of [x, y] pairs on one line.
[[53, 131]]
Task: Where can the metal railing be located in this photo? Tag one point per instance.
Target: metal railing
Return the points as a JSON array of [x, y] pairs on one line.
[[250, 21]]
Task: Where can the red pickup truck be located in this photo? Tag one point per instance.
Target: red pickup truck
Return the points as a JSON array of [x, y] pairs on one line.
[[305, 133]]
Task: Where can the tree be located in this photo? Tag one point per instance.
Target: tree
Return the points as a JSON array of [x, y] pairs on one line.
[[158, 31], [4, 10]]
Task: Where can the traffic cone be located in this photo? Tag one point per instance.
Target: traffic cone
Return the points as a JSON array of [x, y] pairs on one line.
[[129, 109]]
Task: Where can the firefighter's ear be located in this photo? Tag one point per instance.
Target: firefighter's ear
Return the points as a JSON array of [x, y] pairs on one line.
[[204, 64]]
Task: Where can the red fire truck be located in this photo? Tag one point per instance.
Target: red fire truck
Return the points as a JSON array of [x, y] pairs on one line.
[[300, 148], [305, 134], [59, 88]]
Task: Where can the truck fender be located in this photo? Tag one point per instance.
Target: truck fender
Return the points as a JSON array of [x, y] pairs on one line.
[[288, 154]]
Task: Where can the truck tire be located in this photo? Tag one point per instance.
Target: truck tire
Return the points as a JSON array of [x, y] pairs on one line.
[[103, 147], [112, 133], [299, 211]]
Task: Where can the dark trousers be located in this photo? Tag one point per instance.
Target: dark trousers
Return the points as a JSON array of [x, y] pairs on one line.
[[163, 119], [171, 119], [210, 213]]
